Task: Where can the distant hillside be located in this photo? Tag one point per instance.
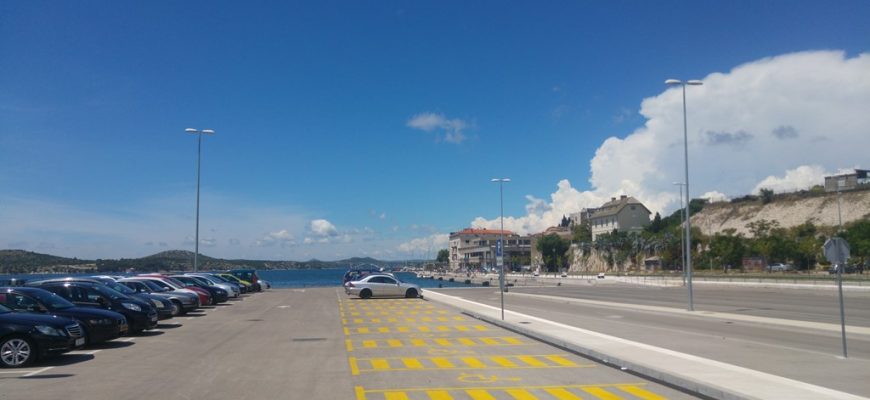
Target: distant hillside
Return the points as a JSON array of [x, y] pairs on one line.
[[22, 262], [789, 209]]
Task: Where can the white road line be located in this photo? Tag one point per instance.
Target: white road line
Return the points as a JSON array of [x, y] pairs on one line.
[[38, 371]]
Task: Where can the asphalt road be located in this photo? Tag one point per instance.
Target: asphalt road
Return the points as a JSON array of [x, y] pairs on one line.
[[804, 353], [319, 344]]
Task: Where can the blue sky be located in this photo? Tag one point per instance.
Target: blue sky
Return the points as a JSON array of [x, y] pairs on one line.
[[350, 129]]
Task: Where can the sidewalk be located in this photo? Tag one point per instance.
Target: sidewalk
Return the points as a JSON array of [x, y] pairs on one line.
[[704, 376]]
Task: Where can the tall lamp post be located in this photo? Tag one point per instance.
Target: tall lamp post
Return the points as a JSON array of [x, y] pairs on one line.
[[686, 182], [682, 240], [198, 156], [500, 257]]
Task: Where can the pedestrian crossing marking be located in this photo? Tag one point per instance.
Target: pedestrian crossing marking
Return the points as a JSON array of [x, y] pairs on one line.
[[360, 330], [369, 344], [443, 342], [503, 341], [557, 392], [394, 343], [560, 360], [383, 364], [418, 342]]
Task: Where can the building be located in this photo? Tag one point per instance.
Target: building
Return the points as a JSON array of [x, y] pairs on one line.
[[857, 180], [475, 248], [625, 214]]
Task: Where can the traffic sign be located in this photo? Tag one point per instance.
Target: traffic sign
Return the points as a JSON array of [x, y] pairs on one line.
[[836, 250], [499, 258]]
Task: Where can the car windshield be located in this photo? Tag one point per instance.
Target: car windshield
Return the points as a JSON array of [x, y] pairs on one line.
[[51, 300], [120, 288], [4, 309], [110, 293]]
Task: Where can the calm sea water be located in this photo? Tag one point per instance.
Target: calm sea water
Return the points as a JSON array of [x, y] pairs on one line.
[[290, 278]]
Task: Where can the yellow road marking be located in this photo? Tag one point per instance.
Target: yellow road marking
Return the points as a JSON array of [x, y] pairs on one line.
[[439, 395], [360, 393], [481, 328], [504, 362], [442, 362], [489, 341], [380, 363], [354, 368], [510, 340], [412, 363], [521, 394], [426, 319], [395, 396], [346, 331], [532, 361], [362, 330], [477, 394], [473, 362], [403, 329], [442, 319], [563, 394], [601, 393], [462, 328], [358, 320], [394, 343], [443, 328], [423, 329], [561, 361], [384, 329], [638, 392], [443, 342], [458, 319], [418, 342], [349, 345], [467, 342], [369, 344], [376, 320]]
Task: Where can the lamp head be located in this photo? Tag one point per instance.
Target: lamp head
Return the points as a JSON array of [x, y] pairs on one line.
[[191, 130], [673, 82], [694, 82], [208, 131]]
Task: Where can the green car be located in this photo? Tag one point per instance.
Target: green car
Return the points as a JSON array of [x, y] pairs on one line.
[[248, 275], [232, 278]]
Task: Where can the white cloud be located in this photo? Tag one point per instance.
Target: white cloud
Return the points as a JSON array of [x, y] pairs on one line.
[[745, 126], [428, 245], [799, 178], [450, 128], [322, 228], [714, 196], [282, 238]]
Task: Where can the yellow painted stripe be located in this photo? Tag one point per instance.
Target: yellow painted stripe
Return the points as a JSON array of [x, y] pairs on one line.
[[443, 342], [462, 328], [392, 320], [354, 368], [442, 319], [376, 320], [510, 340], [362, 330], [344, 321], [354, 314], [349, 345], [489, 341], [412, 363], [521, 394], [411, 320], [380, 363], [481, 328], [466, 342], [563, 394], [639, 392], [395, 396], [477, 394], [358, 320], [532, 361], [504, 362], [403, 329], [369, 344], [418, 342], [394, 343], [384, 329], [561, 361], [458, 319], [346, 331], [473, 362], [442, 362], [423, 329], [439, 395], [426, 319], [443, 328], [601, 393], [360, 393]]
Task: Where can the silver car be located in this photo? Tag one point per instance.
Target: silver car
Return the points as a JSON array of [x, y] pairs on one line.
[[382, 285]]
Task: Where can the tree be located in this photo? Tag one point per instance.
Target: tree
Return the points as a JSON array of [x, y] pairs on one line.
[[766, 195], [656, 225], [565, 222], [858, 236], [582, 233], [728, 248], [443, 256], [552, 248]]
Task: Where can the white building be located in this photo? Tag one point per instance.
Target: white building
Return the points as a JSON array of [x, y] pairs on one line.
[[475, 248], [625, 214]]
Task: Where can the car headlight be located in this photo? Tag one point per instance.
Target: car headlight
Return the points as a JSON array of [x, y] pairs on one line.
[[100, 321], [131, 306], [157, 303], [50, 331]]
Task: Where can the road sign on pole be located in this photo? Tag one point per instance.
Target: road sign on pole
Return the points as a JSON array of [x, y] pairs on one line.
[[837, 252], [499, 257]]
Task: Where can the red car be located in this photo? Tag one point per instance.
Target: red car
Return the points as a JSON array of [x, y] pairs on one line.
[[204, 295]]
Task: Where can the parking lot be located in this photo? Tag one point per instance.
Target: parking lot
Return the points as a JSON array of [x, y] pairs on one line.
[[413, 349], [319, 344]]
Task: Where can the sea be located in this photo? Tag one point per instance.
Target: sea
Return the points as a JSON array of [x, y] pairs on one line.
[[286, 278]]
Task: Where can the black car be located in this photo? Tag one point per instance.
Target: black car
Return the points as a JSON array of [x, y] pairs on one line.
[[25, 337], [218, 295], [166, 309], [140, 314], [99, 325]]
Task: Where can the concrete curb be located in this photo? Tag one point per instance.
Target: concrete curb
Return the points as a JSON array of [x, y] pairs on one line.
[[706, 377]]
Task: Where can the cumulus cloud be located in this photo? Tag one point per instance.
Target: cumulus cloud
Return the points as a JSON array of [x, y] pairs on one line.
[[322, 228], [450, 129], [282, 238], [797, 114], [714, 196], [429, 244]]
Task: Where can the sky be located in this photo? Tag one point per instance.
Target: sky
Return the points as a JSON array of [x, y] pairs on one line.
[[373, 129]]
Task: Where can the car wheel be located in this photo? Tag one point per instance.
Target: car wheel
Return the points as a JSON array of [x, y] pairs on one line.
[[411, 293], [176, 308], [366, 293], [16, 351]]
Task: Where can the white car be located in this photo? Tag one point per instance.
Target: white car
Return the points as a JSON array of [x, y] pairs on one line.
[[382, 285]]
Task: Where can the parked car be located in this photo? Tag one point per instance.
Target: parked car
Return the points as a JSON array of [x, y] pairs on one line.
[[218, 295], [233, 282], [248, 288], [250, 276], [163, 280], [848, 269], [264, 284], [231, 288], [380, 285], [165, 308], [99, 325], [780, 267], [183, 301], [26, 337], [141, 315]]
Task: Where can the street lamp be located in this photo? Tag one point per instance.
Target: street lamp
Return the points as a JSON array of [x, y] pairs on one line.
[[686, 182], [198, 156], [682, 240], [500, 257]]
